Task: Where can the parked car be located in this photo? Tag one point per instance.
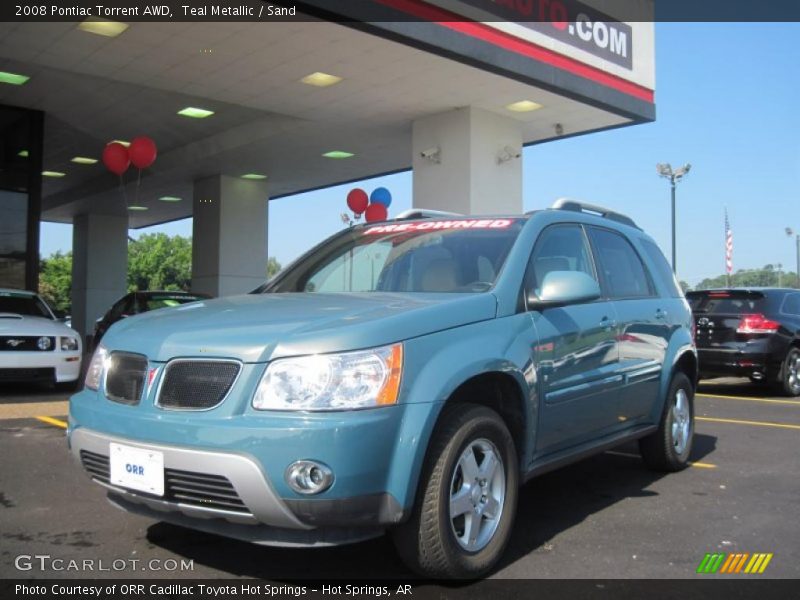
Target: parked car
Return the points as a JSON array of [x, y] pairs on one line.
[[749, 332], [140, 302], [35, 346], [406, 376]]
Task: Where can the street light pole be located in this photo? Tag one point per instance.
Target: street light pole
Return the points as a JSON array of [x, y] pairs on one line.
[[665, 170], [674, 245], [790, 232]]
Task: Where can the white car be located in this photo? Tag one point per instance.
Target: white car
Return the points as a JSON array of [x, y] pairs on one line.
[[34, 345]]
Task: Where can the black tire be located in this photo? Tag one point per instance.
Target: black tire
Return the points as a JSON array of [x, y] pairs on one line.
[[790, 373], [428, 542], [669, 447]]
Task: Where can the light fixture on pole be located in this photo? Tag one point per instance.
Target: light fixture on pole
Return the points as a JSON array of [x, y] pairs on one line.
[[674, 176], [790, 232]]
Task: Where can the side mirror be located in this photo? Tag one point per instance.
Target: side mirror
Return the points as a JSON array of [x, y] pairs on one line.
[[560, 288]]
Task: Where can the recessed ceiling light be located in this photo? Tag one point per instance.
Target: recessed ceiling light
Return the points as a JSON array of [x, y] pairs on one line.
[[136, 207], [524, 106], [320, 79], [13, 78], [104, 27], [53, 174], [256, 176], [169, 199], [123, 142], [83, 160], [195, 113], [23, 153], [338, 154]]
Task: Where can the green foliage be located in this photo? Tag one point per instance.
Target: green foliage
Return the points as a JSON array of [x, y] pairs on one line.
[[55, 280], [273, 267], [157, 261], [767, 276]]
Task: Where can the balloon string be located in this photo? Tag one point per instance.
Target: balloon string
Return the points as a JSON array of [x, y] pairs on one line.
[[138, 185], [124, 193]]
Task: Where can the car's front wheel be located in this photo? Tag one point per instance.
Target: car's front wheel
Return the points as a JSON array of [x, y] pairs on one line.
[[669, 447], [467, 497], [790, 373]]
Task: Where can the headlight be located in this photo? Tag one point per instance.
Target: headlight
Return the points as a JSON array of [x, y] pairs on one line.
[[363, 379], [96, 367], [69, 344]]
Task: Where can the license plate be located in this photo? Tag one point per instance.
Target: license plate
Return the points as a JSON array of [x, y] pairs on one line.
[[137, 468]]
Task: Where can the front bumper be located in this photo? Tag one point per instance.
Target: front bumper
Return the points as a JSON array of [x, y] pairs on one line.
[[254, 511], [55, 366]]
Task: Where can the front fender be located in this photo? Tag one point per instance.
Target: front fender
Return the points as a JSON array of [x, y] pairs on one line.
[[435, 366]]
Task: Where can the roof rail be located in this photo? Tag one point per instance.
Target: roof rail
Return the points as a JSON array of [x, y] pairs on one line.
[[606, 213], [424, 213]]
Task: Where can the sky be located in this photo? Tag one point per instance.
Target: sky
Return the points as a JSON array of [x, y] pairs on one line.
[[726, 102]]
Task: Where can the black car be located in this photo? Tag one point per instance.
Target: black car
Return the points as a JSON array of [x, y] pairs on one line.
[[139, 302], [752, 332]]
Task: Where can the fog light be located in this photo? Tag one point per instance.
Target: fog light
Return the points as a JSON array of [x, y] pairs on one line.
[[308, 477], [43, 343]]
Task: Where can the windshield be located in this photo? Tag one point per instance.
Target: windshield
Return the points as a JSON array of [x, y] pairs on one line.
[[462, 255], [23, 304]]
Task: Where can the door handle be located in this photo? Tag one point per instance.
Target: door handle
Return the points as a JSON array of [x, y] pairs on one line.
[[661, 314]]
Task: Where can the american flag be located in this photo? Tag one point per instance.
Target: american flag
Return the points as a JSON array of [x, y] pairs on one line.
[[728, 245]]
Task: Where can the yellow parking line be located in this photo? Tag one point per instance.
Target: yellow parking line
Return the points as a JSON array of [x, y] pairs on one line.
[[699, 465], [746, 399], [52, 421], [741, 422]]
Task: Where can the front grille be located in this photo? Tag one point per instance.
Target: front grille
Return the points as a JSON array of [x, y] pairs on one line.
[[125, 377], [25, 343], [185, 487], [197, 384], [28, 374]]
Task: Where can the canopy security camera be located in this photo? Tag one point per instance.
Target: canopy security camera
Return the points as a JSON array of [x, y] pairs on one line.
[[432, 154], [506, 154]]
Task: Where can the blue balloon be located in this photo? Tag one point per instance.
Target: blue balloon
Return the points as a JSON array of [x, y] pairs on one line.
[[381, 196]]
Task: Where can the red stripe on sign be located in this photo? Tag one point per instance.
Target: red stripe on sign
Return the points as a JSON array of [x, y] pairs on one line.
[[519, 46]]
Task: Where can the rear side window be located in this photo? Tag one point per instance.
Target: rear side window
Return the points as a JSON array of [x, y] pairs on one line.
[[726, 302], [621, 268], [662, 269], [791, 305]]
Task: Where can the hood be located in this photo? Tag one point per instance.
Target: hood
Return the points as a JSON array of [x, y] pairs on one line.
[[259, 327], [14, 324]]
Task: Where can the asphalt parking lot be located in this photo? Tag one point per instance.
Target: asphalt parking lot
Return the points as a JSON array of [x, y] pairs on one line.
[[606, 517]]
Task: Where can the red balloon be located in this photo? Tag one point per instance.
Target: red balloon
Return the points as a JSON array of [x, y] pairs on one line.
[[115, 158], [142, 152], [357, 200], [376, 212]]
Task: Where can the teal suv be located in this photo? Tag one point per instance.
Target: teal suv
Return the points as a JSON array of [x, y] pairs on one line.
[[404, 377]]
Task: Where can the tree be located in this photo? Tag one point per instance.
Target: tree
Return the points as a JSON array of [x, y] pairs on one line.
[[157, 261], [55, 281], [273, 267], [767, 276]]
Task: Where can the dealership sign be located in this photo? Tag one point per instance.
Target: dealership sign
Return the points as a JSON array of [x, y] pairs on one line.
[[568, 21]]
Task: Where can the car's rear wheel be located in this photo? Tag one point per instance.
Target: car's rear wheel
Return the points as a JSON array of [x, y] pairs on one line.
[[790, 373], [467, 497], [669, 447]]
